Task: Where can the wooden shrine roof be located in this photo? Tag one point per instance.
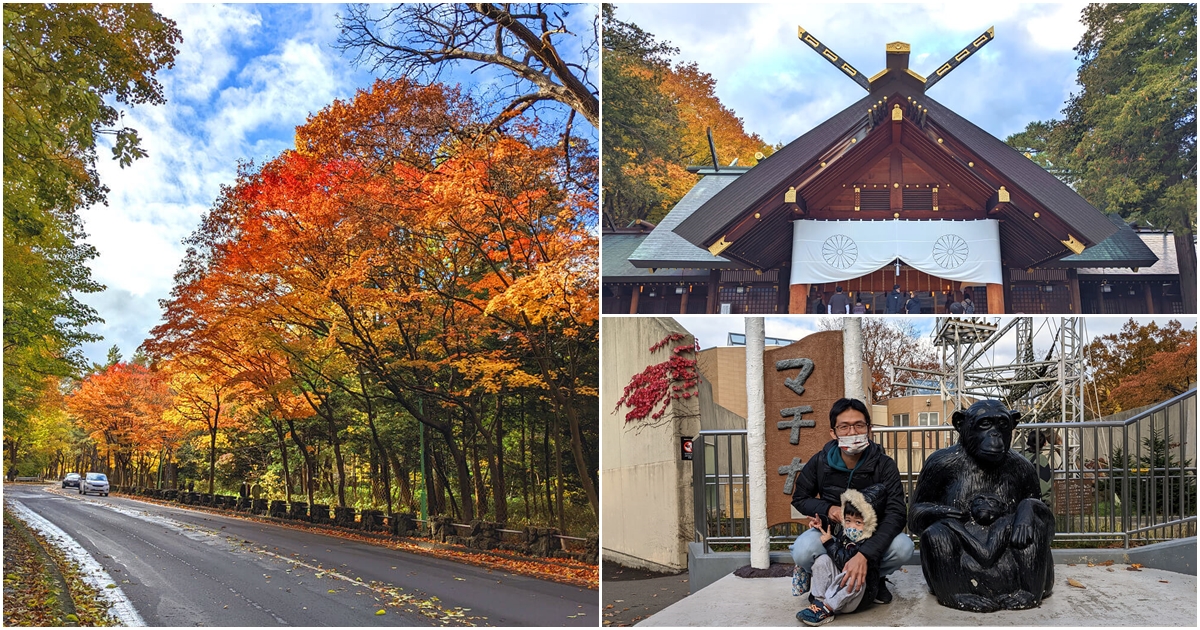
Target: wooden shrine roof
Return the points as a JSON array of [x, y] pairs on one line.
[[765, 242]]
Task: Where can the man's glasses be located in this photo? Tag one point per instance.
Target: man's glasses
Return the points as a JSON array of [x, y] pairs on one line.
[[851, 429]]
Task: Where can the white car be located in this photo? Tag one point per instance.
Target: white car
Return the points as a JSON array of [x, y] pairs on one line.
[[94, 482]]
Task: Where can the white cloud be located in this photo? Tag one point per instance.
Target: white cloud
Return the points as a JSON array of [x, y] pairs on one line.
[[241, 83], [1056, 26], [208, 31]]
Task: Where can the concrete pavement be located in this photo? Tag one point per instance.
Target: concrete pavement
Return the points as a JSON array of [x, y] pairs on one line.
[[1149, 597]]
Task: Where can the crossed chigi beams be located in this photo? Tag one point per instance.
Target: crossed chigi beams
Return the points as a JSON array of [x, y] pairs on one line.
[[857, 77]]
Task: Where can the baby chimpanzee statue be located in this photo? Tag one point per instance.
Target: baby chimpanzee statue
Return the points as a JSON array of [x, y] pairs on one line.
[[985, 533]]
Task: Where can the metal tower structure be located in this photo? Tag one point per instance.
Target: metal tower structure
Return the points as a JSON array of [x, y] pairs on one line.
[[1043, 380]]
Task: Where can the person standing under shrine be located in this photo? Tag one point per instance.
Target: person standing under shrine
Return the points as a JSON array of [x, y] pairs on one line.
[[816, 304], [839, 304], [968, 304], [913, 306], [895, 301]]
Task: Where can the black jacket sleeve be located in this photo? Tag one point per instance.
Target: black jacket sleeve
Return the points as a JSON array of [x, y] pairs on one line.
[[804, 497], [895, 515], [838, 552]]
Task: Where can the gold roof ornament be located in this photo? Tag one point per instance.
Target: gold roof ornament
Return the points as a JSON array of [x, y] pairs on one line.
[[721, 245], [1074, 244]]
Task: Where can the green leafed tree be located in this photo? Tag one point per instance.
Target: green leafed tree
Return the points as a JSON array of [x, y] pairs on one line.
[[641, 127], [68, 68], [1127, 142]]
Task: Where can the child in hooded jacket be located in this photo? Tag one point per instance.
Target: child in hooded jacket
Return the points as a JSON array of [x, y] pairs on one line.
[[859, 521]]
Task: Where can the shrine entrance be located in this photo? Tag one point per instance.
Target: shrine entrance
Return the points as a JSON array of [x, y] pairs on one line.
[[873, 289]]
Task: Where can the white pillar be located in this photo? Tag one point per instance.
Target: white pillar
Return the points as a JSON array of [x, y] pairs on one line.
[[852, 354], [756, 443]]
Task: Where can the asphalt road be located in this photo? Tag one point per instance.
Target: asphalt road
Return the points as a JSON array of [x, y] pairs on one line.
[[187, 568]]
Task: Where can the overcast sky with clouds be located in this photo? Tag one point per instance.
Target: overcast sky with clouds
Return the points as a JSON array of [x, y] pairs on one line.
[[781, 88], [244, 78]]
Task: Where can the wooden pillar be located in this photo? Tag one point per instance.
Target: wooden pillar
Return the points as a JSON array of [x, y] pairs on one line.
[[633, 301], [714, 291], [1076, 301], [1149, 298], [798, 304], [995, 299], [683, 301], [1006, 278], [783, 296]]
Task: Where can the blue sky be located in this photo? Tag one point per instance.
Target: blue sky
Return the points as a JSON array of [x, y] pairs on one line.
[[245, 76], [781, 88]]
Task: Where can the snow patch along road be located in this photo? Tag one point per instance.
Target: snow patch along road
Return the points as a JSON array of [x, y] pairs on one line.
[[93, 574]]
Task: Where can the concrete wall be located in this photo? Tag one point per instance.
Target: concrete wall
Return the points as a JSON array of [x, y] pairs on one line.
[[646, 505]]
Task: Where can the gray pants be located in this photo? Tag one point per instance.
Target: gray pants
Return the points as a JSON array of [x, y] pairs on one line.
[[826, 586]]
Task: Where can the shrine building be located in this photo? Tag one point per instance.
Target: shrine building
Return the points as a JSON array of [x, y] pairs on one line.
[[895, 189]]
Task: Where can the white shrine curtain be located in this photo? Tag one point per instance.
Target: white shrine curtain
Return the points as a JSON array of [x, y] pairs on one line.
[[832, 251]]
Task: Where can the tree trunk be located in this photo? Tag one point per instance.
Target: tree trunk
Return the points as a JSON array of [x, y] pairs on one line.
[[526, 462], [558, 476], [310, 468], [464, 478], [499, 483], [433, 495], [440, 469], [212, 455], [477, 479], [546, 472], [402, 484], [375, 437], [337, 455], [283, 458]]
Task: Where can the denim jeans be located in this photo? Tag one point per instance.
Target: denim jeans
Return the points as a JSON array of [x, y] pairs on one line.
[[808, 547]]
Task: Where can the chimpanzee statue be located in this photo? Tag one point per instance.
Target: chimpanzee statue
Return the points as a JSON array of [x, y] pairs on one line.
[[985, 534]]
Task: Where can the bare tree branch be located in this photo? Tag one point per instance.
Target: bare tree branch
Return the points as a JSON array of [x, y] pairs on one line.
[[422, 40]]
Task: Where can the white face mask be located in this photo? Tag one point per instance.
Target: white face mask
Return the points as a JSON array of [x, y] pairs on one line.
[[854, 444], [853, 534]]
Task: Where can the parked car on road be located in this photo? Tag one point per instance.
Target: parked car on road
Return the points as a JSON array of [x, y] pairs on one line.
[[94, 482], [71, 480]]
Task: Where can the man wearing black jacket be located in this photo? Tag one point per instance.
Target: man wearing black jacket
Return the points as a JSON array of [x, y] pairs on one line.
[[895, 301], [851, 460]]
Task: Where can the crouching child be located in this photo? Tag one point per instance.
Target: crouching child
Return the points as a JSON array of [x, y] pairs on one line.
[[830, 591]]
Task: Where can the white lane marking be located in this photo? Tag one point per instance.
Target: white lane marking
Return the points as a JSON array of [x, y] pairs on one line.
[[92, 572]]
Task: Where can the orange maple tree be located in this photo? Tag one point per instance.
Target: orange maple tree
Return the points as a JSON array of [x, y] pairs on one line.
[[398, 266], [122, 408]]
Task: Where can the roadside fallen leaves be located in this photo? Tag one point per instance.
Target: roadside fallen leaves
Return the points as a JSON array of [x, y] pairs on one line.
[[1075, 583], [32, 595]]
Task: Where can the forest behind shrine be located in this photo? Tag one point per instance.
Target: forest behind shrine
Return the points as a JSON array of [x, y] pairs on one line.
[[398, 313]]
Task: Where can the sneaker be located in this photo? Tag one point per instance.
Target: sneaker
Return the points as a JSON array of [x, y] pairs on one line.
[[882, 594], [801, 579], [815, 615]]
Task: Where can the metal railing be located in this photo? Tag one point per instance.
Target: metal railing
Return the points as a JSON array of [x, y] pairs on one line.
[[1107, 481]]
